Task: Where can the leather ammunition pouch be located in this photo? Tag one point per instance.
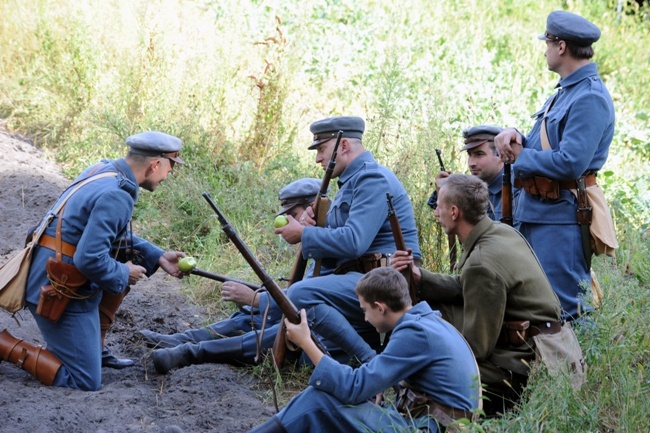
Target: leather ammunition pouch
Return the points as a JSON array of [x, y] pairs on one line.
[[65, 281], [516, 333], [363, 264], [540, 186], [413, 404]]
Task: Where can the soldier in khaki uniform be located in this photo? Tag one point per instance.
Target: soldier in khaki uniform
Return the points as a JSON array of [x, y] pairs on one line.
[[500, 285]]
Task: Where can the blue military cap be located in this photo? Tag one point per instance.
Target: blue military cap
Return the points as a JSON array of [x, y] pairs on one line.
[[153, 143], [477, 135], [299, 192], [565, 26], [327, 129]]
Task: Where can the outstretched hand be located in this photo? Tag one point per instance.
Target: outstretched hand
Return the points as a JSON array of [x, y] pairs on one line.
[[169, 263]]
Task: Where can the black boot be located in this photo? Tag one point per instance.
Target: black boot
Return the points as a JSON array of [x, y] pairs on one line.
[[225, 350], [272, 425], [111, 361], [163, 341]]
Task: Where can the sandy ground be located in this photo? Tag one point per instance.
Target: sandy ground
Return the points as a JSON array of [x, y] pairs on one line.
[[200, 398]]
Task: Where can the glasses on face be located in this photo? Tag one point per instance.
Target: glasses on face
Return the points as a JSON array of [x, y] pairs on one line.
[[172, 163], [172, 157]]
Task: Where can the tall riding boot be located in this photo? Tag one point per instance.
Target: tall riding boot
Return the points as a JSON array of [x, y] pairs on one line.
[[225, 350], [39, 362], [107, 309], [272, 425]]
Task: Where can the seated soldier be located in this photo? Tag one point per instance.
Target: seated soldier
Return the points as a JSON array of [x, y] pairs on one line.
[[294, 199], [500, 287], [425, 353]]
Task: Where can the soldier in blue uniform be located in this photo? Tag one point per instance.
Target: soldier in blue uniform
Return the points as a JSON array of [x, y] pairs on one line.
[[484, 162], [357, 224], [95, 233], [425, 355], [568, 144]]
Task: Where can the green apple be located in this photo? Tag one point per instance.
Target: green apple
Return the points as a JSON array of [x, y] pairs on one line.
[[280, 221], [186, 264]]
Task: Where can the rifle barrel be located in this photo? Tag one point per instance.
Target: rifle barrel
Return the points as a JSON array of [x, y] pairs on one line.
[[222, 278]]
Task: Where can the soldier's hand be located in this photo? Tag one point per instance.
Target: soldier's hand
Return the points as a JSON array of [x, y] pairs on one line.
[[308, 218], [509, 144], [292, 232], [238, 293], [136, 273], [169, 263], [299, 334], [400, 260], [441, 175]]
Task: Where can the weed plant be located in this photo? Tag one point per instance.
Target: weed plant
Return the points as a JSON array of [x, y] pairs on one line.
[[240, 82]]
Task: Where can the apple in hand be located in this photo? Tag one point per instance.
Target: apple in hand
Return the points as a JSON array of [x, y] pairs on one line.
[[186, 264], [280, 221]]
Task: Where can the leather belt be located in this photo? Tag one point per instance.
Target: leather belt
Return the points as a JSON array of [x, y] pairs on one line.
[[412, 404], [50, 243], [590, 180]]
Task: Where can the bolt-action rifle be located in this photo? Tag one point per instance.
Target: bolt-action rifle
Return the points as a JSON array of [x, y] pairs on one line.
[[320, 206], [401, 246], [451, 239], [286, 306]]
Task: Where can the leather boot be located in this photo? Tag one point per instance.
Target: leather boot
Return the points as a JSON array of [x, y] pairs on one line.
[[39, 362], [222, 329], [272, 425], [107, 308], [225, 350]]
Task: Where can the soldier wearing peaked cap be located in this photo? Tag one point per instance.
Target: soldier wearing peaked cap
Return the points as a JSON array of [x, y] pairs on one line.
[[557, 161], [356, 228], [299, 193], [484, 162], [93, 234]]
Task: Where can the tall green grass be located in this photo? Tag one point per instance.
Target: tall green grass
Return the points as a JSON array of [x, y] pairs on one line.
[[240, 82]]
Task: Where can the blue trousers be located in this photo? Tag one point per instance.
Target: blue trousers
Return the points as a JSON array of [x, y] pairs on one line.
[[559, 250], [317, 411], [336, 292], [75, 340]]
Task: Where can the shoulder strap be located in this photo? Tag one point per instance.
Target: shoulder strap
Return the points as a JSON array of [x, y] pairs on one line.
[[59, 208], [543, 134]]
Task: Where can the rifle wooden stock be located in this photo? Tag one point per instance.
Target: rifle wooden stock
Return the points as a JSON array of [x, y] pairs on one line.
[[506, 196], [222, 278], [401, 246], [321, 206], [284, 303], [451, 239]]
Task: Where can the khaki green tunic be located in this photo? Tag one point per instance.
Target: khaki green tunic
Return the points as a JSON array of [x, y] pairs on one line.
[[500, 280]]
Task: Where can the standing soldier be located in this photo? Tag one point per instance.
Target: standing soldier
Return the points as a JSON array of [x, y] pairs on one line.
[[560, 157]]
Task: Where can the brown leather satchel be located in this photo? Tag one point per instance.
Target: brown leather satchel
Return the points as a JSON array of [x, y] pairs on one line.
[[65, 281]]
